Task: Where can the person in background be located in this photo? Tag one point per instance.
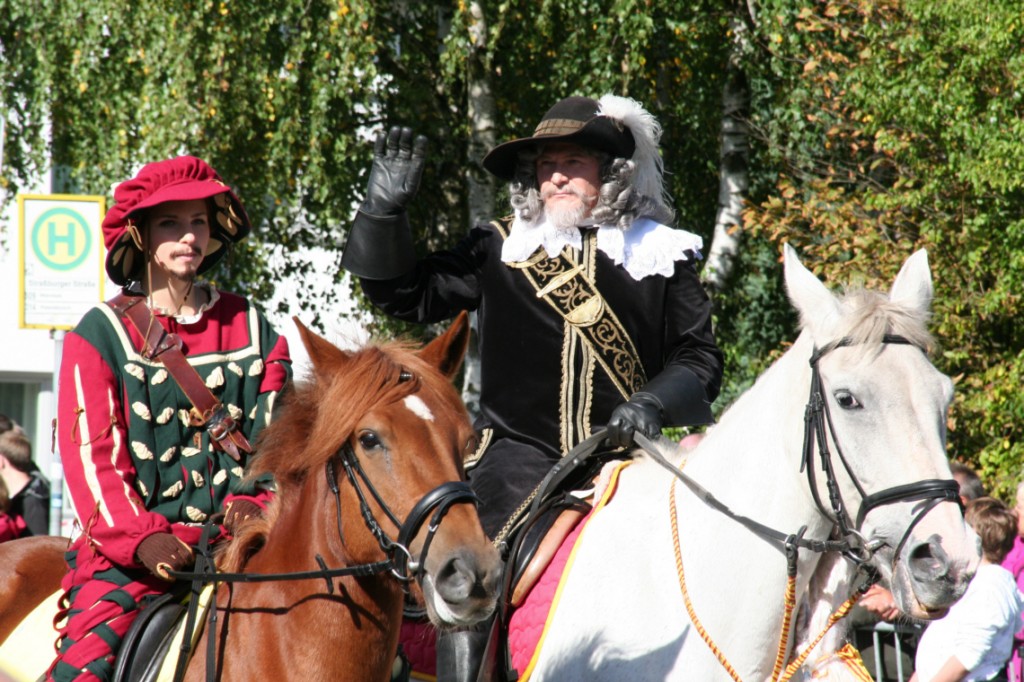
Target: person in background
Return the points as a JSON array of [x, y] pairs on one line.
[[11, 527], [29, 490], [145, 466], [7, 424], [971, 487], [1014, 563], [974, 640]]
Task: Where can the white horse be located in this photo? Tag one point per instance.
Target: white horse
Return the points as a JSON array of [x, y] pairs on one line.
[[879, 437]]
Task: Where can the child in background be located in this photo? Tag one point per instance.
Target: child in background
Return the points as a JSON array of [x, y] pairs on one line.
[[974, 640]]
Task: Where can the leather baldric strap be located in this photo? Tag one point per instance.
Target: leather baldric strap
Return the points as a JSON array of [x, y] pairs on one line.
[[161, 346], [565, 286]]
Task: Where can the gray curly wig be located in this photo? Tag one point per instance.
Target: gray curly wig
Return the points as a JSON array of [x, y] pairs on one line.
[[618, 204]]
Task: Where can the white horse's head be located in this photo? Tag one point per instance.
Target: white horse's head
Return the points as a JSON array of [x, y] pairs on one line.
[[884, 408]]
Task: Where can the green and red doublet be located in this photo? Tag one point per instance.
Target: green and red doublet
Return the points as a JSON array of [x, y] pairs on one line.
[[133, 462]]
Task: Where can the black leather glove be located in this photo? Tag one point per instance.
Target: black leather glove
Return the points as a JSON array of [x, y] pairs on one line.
[[398, 163], [163, 552], [641, 413], [673, 398]]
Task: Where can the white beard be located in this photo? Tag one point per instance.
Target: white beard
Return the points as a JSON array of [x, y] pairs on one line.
[[566, 216]]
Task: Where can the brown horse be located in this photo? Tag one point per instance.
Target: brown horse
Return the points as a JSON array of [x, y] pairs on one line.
[[367, 458]]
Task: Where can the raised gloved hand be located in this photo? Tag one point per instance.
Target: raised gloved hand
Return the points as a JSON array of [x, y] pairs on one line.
[[641, 413], [238, 511], [395, 175], [163, 552]]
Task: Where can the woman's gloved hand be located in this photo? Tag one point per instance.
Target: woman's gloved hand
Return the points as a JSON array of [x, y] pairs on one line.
[[238, 511], [163, 552]]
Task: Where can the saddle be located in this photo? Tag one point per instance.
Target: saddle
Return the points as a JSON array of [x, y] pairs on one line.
[[148, 640], [540, 542], [537, 537], [150, 648]]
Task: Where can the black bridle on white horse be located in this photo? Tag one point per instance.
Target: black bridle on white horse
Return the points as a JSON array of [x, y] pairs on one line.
[[818, 427], [816, 418]]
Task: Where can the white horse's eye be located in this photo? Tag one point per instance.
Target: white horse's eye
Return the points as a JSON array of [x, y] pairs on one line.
[[847, 400]]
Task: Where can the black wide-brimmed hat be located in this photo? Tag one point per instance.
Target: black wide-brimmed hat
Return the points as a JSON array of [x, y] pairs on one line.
[[576, 120]]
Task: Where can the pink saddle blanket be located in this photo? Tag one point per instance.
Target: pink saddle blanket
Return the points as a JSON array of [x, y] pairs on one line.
[[526, 626]]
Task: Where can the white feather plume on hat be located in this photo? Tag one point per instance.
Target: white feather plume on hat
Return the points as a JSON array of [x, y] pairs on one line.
[[647, 180]]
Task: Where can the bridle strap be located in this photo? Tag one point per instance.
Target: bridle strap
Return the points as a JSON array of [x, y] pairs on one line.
[[937, 490], [439, 501], [816, 417]]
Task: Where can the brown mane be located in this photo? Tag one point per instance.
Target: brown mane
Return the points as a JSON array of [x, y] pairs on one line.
[[318, 414]]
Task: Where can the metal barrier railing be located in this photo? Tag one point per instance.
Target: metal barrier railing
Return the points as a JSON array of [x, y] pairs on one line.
[[891, 635]]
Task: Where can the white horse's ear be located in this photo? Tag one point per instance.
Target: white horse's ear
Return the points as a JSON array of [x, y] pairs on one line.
[[818, 307], [913, 286]]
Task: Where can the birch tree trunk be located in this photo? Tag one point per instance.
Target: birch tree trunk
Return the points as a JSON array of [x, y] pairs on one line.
[[481, 185], [733, 174]]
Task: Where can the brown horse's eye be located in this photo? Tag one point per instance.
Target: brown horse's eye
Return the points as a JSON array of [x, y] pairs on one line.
[[369, 440]]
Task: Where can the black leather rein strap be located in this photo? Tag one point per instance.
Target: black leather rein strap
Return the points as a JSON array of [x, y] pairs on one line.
[[765, 532]]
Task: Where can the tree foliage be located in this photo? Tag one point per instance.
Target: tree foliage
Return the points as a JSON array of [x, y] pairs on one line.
[[879, 126], [896, 126]]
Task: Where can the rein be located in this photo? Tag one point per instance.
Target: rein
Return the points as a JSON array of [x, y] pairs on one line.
[[818, 427], [399, 562]]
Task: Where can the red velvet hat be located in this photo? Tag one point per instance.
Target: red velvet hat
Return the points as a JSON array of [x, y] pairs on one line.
[[184, 178]]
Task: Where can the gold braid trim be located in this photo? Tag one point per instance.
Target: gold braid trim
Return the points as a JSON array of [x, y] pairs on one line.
[[567, 288]]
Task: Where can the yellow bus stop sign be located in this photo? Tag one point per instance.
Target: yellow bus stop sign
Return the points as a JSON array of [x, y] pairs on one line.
[[61, 264]]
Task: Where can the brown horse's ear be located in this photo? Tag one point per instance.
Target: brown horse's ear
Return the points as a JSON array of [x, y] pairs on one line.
[[322, 352], [447, 350]]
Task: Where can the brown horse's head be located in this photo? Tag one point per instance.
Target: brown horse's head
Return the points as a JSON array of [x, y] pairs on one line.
[[386, 419]]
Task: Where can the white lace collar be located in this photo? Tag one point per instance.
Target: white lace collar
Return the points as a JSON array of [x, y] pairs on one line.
[[212, 296], [646, 248]]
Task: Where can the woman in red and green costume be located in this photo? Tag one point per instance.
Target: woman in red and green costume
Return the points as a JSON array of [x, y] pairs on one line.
[[143, 478]]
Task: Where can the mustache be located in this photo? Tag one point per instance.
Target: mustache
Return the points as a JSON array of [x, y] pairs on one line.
[[567, 189]]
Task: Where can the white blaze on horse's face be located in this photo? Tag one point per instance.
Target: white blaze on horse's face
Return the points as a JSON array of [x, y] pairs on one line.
[[418, 407], [888, 409]]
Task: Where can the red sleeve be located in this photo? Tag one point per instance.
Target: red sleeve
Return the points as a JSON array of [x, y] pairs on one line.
[[11, 527], [277, 366], [94, 453]]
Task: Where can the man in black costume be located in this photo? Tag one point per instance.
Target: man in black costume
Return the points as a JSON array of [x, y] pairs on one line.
[[590, 310]]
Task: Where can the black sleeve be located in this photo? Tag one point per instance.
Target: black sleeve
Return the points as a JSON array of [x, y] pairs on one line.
[[36, 512], [441, 285], [689, 338]]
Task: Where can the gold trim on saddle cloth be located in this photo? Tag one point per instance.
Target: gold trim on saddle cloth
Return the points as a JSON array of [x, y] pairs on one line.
[[568, 288], [599, 504]]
